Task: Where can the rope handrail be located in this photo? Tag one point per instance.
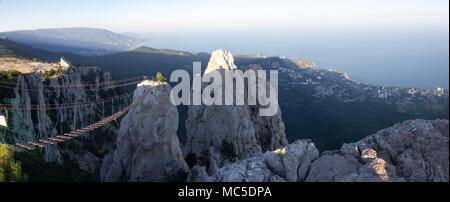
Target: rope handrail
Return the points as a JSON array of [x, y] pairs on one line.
[[60, 106], [93, 89], [43, 142], [70, 103], [79, 85], [93, 84]]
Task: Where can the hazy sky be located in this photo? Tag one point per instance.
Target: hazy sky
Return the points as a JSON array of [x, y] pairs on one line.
[[196, 15], [389, 42]]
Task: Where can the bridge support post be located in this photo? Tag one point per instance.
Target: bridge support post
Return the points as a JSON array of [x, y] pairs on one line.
[[103, 110], [39, 121], [74, 118], [60, 120]]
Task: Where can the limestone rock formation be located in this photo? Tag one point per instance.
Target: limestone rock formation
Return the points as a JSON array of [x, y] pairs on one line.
[[225, 130], [269, 130], [31, 91], [148, 148], [393, 154], [220, 59], [287, 164], [219, 134]]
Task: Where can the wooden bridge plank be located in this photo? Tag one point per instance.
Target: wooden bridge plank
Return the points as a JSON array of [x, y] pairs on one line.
[[71, 135], [42, 145], [26, 146], [64, 137], [56, 139], [47, 142]]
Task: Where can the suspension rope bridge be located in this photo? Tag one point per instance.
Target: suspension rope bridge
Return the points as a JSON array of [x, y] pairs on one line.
[[63, 105], [42, 142], [105, 85], [80, 85]]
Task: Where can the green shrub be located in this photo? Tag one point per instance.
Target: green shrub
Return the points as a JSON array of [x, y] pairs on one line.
[[39, 170], [9, 75], [160, 77], [10, 170], [47, 75]]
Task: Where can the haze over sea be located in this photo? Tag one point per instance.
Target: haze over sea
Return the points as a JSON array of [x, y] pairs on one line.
[[388, 56], [393, 43]]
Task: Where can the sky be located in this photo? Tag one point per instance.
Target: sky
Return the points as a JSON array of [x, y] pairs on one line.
[[384, 42], [142, 16]]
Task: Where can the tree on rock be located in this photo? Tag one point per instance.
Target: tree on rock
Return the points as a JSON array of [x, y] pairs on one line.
[[160, 77]]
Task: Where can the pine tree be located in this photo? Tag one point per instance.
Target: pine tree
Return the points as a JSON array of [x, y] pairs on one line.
[[160, 77], [10, 170]]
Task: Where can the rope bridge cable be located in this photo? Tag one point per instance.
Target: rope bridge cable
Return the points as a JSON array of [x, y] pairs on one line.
[[79, 85], [95, 84], [43, 143], [92, 89], [62, 106], [103, 109], [39, 121], [65, 105], [77, 106], [60, 120], [74, 118]]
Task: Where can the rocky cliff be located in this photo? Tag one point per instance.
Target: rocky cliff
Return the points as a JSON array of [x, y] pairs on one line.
[[395, 154], [219, 134], [147, 146], [220, 59], [29, 125], [290, 163]]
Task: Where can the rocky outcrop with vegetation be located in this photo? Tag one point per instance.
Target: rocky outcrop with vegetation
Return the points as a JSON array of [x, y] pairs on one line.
[[395, 154], [147, 146], [24, 125]]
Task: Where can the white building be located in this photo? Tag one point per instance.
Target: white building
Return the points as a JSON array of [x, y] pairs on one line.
[[3, 121], [64, 62]]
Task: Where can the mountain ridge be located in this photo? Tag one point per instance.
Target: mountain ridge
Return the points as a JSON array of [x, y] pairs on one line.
[[80, 40], [147, 49]]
